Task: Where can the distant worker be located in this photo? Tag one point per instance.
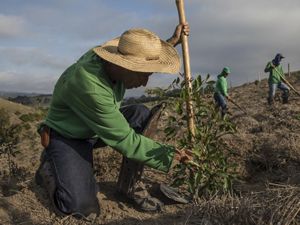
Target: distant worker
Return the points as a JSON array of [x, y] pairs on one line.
[[276, 76], [221, 91]]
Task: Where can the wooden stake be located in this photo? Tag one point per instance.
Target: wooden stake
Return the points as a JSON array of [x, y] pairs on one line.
[[187, 69], [237, 105]]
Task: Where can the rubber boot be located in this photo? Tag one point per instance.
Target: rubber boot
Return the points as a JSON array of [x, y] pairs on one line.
[[285, 97], [129, 180], [270, 100], [223, 112]]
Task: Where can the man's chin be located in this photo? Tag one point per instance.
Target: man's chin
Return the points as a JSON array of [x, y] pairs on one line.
[[132, 87]]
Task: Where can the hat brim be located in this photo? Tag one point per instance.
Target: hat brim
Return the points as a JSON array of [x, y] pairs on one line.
[[168, 62]]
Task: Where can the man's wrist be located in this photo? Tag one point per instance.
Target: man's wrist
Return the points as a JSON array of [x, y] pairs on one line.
[[171, 41]]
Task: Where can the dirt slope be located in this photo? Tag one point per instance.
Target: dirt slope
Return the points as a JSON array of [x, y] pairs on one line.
[[13, 107], [268, 192]]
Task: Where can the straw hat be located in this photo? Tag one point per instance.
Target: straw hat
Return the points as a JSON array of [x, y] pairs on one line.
[[142, 51]]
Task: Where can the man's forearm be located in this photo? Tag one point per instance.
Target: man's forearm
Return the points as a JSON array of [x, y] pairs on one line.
[[172, 41]]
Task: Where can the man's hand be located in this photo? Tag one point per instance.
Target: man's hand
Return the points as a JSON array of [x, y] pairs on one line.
[[272, 66], [181, 29], [183, 156]]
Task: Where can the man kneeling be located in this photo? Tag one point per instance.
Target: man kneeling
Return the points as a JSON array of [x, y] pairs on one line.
[[85, 110]]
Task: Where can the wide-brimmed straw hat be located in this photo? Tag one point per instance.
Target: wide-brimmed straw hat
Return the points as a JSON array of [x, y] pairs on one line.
[[140, 50]]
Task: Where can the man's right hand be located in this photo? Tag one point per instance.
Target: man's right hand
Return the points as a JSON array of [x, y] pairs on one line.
[[183, 156], [179, 30]]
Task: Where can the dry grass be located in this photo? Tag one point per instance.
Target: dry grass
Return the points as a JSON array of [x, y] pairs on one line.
[[277, 204], [12, 107]]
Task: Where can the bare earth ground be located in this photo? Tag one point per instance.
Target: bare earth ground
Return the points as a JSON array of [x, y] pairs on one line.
[[268, 191]]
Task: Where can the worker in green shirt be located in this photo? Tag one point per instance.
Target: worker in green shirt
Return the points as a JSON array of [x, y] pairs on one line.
[[85, 111], [221, 91], [275, 79]]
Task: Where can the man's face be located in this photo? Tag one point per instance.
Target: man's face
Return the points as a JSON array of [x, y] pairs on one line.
[[135, 79], [131, 79]]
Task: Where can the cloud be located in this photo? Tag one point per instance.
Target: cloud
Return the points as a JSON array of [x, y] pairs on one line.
[[243, 34], [11, 26], [31, 57], [24, 82]]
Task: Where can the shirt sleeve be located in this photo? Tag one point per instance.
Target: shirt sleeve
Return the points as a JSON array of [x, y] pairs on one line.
[[281, 72], [94, 103], [268, 68]]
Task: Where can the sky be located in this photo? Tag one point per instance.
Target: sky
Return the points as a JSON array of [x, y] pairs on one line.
[[39, 39]]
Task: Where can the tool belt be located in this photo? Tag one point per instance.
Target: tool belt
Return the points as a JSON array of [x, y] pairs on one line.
[[44, 132]]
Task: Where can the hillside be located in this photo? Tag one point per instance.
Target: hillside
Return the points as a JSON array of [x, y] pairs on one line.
[[12, 107], [267, 146], [38, 100]]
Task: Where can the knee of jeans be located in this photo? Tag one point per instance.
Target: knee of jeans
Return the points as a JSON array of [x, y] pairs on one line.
[[81, 204], [142, 110], [223, 105], [86, 206]]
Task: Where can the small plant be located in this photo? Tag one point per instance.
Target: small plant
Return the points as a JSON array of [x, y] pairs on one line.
[[8, 141], [31, 117], [210, 170], [26, 126], [17, 113], [297, 117]]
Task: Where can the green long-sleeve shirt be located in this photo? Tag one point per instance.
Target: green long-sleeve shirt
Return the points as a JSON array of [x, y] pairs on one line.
[[221, 85], [85, 104], [274, 73]]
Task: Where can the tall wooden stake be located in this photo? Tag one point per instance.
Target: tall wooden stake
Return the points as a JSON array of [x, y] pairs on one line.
[[187, 69]]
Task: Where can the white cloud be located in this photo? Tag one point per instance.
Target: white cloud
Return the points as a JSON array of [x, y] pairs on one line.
[[25, 82], [11, 26], [241, 34], [31, 57]]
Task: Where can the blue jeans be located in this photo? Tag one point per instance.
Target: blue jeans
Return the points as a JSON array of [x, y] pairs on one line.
[[283, 87], [221, 103], [72, 164]]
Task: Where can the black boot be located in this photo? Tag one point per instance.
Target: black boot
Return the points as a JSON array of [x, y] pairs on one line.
[[129, 184], [285, 97], [223, 112], [270, 100]]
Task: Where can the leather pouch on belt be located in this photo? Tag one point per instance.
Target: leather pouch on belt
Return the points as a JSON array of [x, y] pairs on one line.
[[44, 132]]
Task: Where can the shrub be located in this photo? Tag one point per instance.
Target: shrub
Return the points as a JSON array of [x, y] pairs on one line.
[[8, 140], [210, 170], [31, 117]]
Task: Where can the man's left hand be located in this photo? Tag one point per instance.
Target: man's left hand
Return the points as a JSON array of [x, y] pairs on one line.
[[181, 29]]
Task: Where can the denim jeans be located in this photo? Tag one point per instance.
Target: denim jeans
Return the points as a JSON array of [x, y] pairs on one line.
[[283, 87], [221, 103], [72, 163]]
